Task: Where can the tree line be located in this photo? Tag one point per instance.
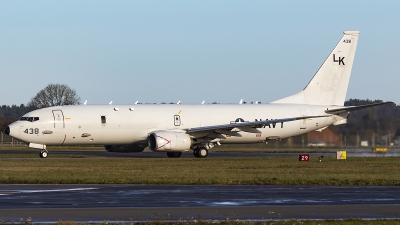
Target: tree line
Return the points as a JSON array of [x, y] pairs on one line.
[[379, 125], [13, 111]]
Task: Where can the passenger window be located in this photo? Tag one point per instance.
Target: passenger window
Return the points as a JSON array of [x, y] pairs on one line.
[[103, 119], [30, 119], [24, 118], [35, 118]]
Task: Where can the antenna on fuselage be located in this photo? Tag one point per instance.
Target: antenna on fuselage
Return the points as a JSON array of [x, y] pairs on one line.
[[179, 102]]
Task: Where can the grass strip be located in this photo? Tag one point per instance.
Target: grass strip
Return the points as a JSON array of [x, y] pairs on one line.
[[211, 171]]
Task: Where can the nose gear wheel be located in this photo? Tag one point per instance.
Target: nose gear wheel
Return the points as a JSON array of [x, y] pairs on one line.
[[43, 153]]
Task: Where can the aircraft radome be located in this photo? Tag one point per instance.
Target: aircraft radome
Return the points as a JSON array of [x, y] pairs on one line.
[[175, 128]]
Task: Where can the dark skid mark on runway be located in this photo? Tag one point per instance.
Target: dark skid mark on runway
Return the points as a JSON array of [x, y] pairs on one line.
[[84, 203], [84, 196]]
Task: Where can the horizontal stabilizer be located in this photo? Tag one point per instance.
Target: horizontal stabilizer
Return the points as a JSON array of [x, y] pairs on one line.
[[354, 108]]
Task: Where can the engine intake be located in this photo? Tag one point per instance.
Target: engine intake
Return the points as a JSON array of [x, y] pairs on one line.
[[169, 141]]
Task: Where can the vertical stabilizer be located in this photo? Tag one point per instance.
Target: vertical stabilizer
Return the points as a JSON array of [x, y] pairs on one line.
[[329, 84]]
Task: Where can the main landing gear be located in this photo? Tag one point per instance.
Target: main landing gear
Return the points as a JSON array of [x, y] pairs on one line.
[[200, 152], [43, 153]]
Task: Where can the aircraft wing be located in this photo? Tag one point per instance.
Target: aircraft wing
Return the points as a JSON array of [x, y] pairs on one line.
[[353, 108], [251, 127]]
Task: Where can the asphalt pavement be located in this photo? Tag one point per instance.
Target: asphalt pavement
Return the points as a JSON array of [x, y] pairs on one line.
[[84, 203]]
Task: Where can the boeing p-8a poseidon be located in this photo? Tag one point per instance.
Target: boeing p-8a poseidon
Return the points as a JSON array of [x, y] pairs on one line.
[[177, 128]]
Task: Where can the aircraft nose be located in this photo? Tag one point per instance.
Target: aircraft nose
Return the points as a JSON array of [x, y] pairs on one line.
[[7, 130]]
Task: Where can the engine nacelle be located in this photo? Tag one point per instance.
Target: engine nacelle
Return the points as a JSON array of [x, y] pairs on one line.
[[124, 148], [169, 141]]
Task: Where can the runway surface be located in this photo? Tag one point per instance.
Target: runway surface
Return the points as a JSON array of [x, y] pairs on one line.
[[83, 203], [212, 154]]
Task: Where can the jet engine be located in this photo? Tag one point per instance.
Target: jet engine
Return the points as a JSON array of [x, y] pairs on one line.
[[124, 148], [169, 141]]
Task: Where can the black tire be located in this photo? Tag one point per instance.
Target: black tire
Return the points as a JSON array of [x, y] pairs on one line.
[[43, 154], [174, 154], [196, 152], [202, 153]]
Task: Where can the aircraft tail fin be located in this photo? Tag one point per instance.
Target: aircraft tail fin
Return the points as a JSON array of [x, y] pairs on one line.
[[329, 84]]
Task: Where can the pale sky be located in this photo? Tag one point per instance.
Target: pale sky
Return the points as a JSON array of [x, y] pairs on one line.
[[163, 51]]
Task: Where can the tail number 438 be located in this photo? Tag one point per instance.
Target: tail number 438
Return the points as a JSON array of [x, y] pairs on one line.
[[31, 131]]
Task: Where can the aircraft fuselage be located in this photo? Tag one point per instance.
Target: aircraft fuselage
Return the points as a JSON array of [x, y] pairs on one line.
[[127, 124]]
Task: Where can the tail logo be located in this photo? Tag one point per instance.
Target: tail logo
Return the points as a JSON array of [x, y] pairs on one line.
[[340, 60]]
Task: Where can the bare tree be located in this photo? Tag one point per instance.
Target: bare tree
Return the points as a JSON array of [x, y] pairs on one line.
[[54, 95]]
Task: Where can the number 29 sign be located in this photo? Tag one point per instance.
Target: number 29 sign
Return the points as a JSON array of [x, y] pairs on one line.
[[304, 158]]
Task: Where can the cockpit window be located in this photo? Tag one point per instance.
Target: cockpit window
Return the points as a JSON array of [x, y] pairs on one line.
[[30, 119]]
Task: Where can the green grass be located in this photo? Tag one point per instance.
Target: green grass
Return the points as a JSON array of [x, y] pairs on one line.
[[211, 171]]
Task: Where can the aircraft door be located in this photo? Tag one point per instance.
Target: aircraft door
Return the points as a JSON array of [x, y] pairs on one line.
[[58, 119], [177, 120], [303, 124]]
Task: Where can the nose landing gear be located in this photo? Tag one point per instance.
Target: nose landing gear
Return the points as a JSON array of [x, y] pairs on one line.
[[43, 153]]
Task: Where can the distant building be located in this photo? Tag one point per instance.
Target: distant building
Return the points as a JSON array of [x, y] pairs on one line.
[[323, 138]]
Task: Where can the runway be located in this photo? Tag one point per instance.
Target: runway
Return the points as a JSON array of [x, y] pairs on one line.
[[212, 153], [83, 203]]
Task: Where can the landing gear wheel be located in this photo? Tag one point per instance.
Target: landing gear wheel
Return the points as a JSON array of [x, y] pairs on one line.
[[200, 152], [203, 152], [174, 154], [196, 152], [43, 153]]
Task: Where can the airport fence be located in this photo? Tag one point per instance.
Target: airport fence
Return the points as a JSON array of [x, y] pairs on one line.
[[6, 140]]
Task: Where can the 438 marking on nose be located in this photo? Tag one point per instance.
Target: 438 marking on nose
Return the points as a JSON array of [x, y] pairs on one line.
[[31, 131]]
